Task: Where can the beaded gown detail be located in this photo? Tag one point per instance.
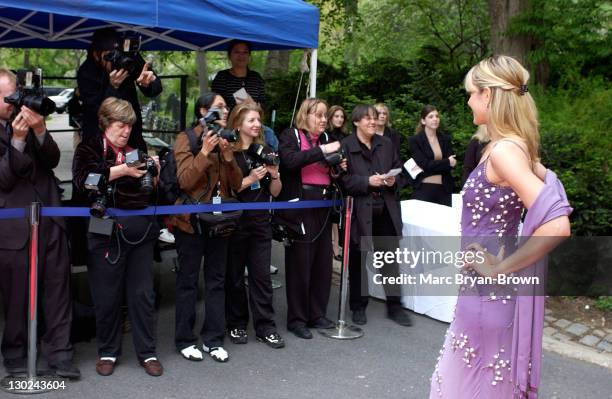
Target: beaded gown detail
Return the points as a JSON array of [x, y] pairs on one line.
[[474, 361]]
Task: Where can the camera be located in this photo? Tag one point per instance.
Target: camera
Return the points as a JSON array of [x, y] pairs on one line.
[[215, 114], [333, 160], [125, 55], [30, 93], [96, 183], [262, 156], [138, 159]]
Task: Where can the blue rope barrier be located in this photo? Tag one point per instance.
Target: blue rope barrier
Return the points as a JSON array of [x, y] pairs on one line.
[[57, 211], [12, 213]]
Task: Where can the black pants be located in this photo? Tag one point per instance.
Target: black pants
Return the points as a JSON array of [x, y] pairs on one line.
[[131, 277], [382, 226], [308, 269], [432, 192], [251, 245], [191, 248], [54, 296]]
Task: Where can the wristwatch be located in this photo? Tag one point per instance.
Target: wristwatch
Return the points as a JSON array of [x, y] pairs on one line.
[[277, 176]]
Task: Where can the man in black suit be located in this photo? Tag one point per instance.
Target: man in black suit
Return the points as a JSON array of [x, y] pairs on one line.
[[28, 155], [97, 80]]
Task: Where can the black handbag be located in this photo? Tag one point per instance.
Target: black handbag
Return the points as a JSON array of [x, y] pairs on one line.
[[220, 225]]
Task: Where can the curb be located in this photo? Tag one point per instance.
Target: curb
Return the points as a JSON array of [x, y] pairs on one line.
[[577, 351]]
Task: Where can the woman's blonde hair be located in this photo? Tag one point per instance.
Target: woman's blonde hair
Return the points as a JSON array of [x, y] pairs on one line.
[[382, 105], [512, 111], [481, 134], [308, 106], [237, 117], [115, 110]]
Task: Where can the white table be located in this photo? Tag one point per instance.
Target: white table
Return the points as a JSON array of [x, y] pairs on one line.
[[429, 226]]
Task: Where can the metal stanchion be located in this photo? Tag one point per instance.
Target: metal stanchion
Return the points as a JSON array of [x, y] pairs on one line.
[[342, 329], [31, 382]]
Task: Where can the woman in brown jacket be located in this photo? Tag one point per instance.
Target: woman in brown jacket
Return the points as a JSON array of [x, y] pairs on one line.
[[210, 172]]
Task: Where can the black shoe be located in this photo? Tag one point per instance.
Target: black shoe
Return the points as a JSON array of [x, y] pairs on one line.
[[16, 366], [301, 332], [65, 369], [400, 316], [359, 317], [238, 336], [323, 323], [273, 340]]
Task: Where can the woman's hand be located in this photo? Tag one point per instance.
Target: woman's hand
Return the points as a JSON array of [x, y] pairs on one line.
[[273, 170], [116, 77], [146, 77], [226, 150], [209, 143], [485, 265], [258, 173], [118, 171], [389, 181], [376, 180], [452, 161], [330, 147]]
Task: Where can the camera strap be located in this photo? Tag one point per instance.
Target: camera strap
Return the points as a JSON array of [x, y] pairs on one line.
[[120, 158]]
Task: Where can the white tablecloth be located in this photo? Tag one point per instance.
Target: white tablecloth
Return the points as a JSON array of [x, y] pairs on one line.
[[426, 225]]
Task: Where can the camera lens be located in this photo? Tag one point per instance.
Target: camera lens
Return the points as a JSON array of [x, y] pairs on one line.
[[98, 208]]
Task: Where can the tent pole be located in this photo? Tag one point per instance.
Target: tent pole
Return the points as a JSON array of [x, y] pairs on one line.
[[313, 73]]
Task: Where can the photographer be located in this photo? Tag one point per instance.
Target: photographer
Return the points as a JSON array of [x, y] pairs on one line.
[[98, 80], [120, 250], [208, 173], [376, 213], [253, 237], [28, 155], [308, 260]]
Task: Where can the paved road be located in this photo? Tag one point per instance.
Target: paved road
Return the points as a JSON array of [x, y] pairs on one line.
[[388, 362]]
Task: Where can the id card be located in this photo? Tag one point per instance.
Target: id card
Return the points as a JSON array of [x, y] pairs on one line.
[[215, 201], [256, 185]]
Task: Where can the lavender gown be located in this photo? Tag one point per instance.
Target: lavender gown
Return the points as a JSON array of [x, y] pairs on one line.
[[474, 361]]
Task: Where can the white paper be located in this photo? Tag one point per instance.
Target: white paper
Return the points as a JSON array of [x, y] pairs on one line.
[[412, 168], [241, 95], [393, 172]]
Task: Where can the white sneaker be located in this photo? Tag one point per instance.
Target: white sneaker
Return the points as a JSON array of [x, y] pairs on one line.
[[192, 353], [217, 353], [166, 236], [273, 269]]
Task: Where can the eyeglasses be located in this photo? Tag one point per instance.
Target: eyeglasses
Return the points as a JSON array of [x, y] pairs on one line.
[[319, 116]]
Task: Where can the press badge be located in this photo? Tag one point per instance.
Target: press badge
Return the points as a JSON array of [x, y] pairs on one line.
[[215, 201], [255, 186]]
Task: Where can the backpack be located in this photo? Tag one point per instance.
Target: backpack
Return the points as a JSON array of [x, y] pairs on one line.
[[168, 188]]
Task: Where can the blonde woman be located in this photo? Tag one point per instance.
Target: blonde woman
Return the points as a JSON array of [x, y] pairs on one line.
[[251, 243], [493, 346], [306, 176], [383, 127]]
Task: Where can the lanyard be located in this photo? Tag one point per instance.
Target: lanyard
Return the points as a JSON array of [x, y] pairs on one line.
[[119, 151]]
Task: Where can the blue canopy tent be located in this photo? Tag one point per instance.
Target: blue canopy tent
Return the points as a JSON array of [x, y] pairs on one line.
[[184, 25]]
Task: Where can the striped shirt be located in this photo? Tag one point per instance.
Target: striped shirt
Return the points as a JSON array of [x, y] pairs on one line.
[[227, 84]]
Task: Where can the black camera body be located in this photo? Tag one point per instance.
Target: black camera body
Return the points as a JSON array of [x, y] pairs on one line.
[[30, 93], [264, 156], [100, 192], [261, 157], [333, 160], [126, 56], [139, 159], [213, 115]]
